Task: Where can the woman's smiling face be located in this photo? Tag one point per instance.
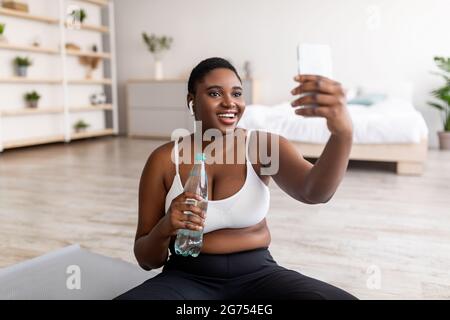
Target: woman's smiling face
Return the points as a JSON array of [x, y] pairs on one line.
[[219, 101]]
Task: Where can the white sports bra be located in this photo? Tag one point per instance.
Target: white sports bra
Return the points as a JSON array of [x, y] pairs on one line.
[[245, 208]]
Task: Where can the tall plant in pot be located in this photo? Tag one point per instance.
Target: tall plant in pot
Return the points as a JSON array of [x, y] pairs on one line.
[[21, 66], [443, 95], [157, 45]]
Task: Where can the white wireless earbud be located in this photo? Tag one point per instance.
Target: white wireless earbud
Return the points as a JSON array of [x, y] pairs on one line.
[[191, 108]]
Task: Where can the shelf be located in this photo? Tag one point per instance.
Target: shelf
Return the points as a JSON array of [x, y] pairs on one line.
[[144, 80], [91, 108], [56, 138], [28, 16], [93, 133], [103, 55], [91, 81], [97, 2], [89, 27], [32, 141], [63, 78], [30, 111], [8, 46], [47, 110], [30, 80], [53, 81]]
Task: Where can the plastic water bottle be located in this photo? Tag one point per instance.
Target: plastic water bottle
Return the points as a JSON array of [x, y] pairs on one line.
[[189, 242]]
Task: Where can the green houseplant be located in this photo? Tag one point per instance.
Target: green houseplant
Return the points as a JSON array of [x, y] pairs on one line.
[[442, 95], [79, 15], [22, 64], [2, 31], [32, 99], [157, 45], [80, 126]]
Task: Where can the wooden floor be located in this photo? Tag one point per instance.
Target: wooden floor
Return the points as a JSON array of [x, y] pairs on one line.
[[86, 192]]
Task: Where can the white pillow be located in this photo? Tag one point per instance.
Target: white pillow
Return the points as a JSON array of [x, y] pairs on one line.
[[402, 90]]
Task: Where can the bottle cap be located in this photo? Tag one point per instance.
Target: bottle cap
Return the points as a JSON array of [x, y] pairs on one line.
[[200, 157]]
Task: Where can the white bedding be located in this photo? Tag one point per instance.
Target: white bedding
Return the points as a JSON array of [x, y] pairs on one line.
[[390, 121]]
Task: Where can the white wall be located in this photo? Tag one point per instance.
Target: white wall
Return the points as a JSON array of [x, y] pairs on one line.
[[368, 49]]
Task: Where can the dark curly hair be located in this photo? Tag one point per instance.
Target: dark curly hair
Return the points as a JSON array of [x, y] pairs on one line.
[[205, 66]]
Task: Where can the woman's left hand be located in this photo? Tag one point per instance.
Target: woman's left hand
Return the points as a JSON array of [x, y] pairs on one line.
[[324, 98]]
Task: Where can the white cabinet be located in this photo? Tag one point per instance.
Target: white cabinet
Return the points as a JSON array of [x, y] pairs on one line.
[[157, 107]]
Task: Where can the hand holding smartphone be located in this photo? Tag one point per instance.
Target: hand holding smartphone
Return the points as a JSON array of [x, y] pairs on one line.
[[318, 95], [314, 59]]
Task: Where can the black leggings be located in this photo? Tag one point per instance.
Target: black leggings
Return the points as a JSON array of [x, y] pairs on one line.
[[250, 274]]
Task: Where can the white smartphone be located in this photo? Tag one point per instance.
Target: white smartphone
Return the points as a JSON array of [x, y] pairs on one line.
[[314, 59]]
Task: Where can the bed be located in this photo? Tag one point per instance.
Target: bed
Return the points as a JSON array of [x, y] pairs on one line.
[[391, 130]]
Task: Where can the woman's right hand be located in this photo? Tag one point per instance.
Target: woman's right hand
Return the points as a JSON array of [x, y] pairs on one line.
[[176, 218]]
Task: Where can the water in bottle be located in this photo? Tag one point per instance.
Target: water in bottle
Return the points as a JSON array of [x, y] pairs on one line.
[[189, 242]]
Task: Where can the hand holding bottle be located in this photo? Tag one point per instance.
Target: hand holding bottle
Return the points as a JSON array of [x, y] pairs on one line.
[[184, 215]]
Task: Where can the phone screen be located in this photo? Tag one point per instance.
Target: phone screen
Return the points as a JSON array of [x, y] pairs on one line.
[[314, 59]]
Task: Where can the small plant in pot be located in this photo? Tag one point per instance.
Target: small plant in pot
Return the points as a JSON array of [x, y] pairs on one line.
[[80, 126], [32, 99], [443, 95], [78, 16], [22, 64]]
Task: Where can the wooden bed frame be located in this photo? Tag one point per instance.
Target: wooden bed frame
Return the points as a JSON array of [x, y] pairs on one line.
[[410, 158]]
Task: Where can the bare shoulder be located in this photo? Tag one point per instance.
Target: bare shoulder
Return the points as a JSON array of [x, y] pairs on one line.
[[159, 162], [161, 154]]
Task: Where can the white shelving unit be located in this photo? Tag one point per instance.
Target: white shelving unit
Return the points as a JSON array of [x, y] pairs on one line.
[[60, 115]]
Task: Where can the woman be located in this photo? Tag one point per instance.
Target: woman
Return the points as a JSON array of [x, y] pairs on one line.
[[234, 262]]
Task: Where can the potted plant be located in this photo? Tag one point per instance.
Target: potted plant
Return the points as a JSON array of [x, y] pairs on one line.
[[78, 15], [443, 94], [157, 46], [80, 126], [2, 31], [91, 63], [22, 64], [32, 99]]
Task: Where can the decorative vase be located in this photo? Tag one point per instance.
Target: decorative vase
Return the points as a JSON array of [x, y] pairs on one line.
[[21, 71], [444, 140], [89, 72], [158, 70]]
